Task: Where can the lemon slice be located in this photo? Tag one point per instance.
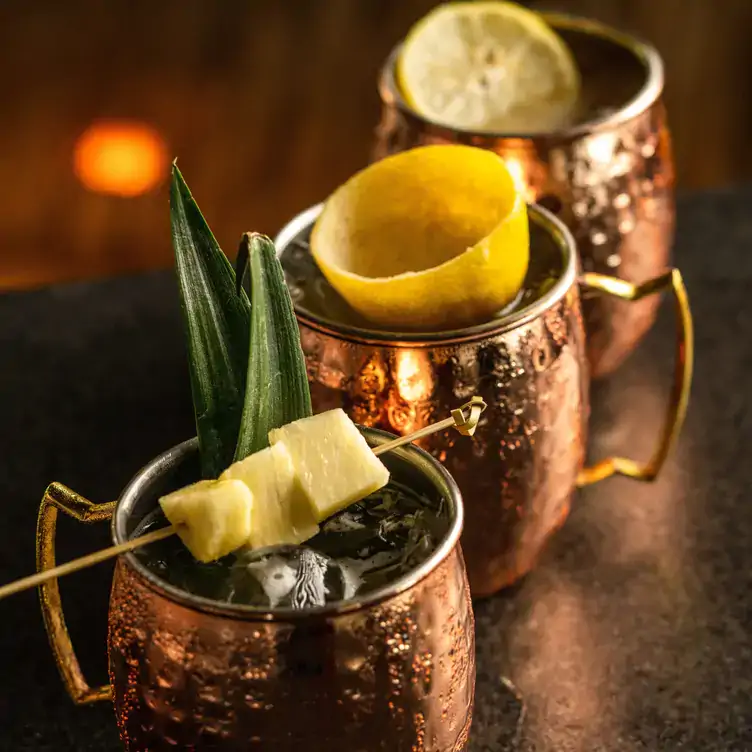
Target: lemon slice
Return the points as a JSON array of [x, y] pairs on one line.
[[488, 67], [432, 238]]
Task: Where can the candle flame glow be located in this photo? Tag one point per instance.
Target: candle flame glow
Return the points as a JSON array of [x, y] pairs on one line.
[[120, 158]]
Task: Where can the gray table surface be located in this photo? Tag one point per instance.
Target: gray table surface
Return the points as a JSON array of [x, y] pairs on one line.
[[635, 633]]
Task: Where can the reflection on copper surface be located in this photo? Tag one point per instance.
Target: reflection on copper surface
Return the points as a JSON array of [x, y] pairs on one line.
[[565, 671], [517, 171], [414, 375], [572, 645], [601, 148], [409, 405], [120, 158], [646, 525], [401, 670], [529, 174], [369, 387]]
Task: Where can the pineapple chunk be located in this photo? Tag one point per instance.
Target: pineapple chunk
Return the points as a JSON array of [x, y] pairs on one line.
[[335, 465], [212, 517], [281, 513]]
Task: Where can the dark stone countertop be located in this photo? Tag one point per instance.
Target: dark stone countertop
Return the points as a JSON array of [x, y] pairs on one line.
[[635, 633]]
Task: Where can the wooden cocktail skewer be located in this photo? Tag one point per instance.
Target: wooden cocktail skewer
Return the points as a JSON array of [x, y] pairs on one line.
[[464, 419]]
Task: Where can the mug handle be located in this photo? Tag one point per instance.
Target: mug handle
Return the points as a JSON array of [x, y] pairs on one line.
[[60, 497], [683, 361]]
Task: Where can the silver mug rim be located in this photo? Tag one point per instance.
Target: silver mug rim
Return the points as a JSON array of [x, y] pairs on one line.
[[411, 453], [648, 94], [503, 323]]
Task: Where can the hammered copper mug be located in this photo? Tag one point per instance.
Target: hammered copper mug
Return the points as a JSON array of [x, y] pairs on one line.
[[519, 471], [610, 176], [391, 670]]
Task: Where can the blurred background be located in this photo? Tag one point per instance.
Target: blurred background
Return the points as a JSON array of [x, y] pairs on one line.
[[268, 105]]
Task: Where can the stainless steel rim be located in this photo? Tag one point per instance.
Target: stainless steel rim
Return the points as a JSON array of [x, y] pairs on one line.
[[540, 216]]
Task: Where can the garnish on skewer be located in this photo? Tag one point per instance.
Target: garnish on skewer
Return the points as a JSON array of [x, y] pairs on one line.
[[464, 419]]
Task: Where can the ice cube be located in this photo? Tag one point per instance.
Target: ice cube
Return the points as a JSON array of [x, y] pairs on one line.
[[275, 574], [309, 589]]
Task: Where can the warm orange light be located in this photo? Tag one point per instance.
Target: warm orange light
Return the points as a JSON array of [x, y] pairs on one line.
[[414, 377], [519, 177], [120, 158]]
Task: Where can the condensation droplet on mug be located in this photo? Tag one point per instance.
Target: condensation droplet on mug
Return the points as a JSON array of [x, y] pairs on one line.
[[580, 209], [479, 448], [210, 694], [177, 715], [626, 225], [253, 673], [463, 390], [622, 201]]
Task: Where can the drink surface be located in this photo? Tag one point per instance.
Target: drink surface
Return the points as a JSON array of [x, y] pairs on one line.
[[357, 551], [312, 294]]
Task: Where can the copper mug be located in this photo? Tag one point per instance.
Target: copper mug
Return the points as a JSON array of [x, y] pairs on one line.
[[392, 670], [519, 471], [610, 177]]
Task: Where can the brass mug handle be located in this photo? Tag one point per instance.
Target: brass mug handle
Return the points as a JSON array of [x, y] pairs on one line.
[[684, 358], [60, 497]]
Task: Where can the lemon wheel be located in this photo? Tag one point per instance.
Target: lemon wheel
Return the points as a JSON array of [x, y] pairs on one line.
[[488, 67]]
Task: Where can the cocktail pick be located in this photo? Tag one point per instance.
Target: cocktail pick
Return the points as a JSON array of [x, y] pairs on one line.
[[464, 419]]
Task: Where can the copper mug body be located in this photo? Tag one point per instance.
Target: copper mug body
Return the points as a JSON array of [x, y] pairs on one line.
[[610, 177], [393, 670], [519, 471]]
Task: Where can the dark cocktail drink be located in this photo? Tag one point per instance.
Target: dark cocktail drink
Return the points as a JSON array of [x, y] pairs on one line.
[[361, 549]]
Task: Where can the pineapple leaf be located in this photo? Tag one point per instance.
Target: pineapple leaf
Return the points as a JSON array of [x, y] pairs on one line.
[[242, 262], [216, 319], [277, 390]]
